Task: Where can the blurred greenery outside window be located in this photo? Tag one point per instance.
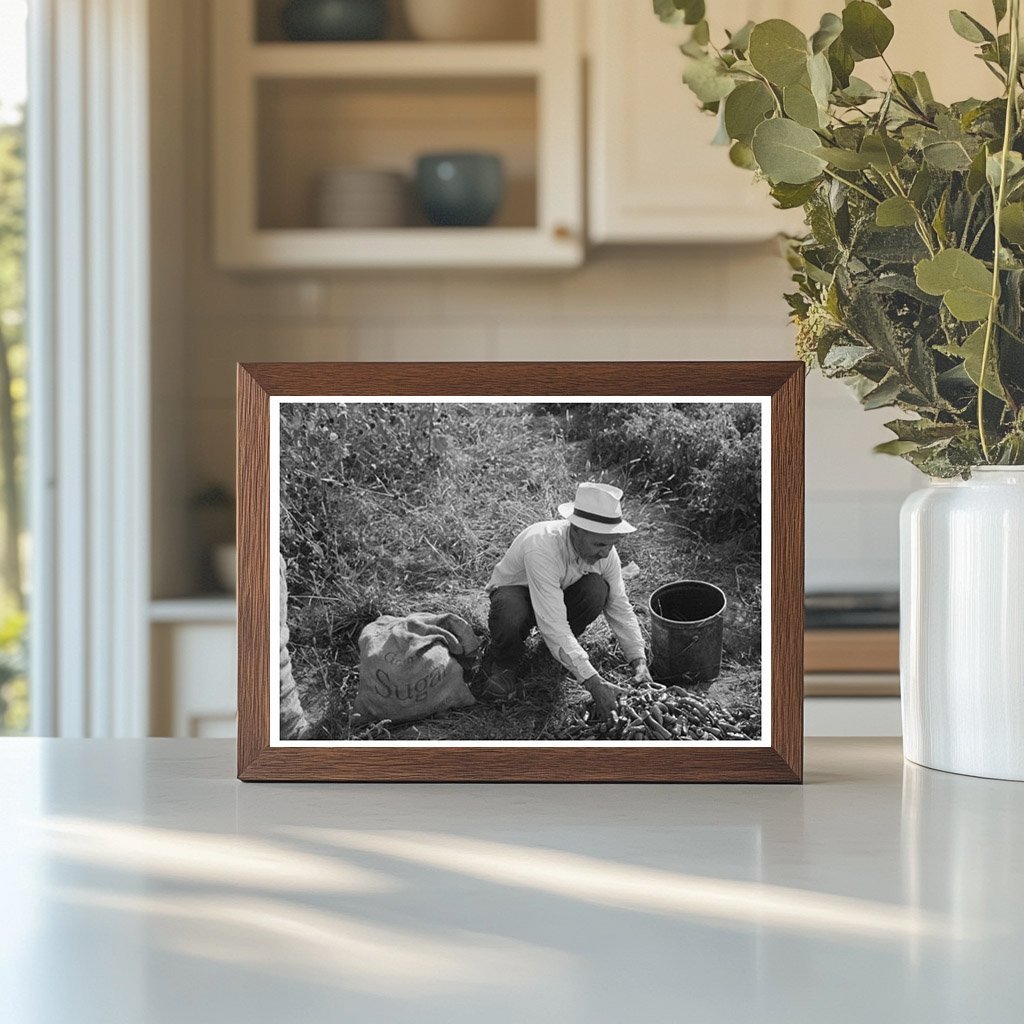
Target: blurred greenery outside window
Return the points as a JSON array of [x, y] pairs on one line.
[[14, 548]]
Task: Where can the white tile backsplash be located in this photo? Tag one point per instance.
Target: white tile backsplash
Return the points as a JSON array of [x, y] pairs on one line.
[[367, 297], [507, 298], [645, 285]]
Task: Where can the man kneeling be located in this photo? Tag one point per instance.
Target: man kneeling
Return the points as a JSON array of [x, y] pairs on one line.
[[560, 576]]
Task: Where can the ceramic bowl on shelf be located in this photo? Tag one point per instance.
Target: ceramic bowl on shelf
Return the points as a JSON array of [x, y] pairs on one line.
[[334, 20], [470, 20], [460, 189], [361, 198]]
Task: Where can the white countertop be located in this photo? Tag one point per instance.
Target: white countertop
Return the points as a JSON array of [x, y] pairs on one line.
[[143, 884]]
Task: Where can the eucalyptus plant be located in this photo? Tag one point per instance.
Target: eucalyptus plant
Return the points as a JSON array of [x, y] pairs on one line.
[[911, 275]]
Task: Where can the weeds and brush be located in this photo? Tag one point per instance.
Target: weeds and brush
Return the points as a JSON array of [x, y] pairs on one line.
[[704, 459], [392, 508]]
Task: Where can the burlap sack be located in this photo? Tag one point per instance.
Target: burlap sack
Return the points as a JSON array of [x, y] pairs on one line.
[[407, 668], [294, 724]]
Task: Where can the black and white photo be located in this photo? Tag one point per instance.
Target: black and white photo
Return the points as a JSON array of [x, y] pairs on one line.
[[505, 570]]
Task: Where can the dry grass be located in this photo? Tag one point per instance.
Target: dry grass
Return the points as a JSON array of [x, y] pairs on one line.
[[386, 550]]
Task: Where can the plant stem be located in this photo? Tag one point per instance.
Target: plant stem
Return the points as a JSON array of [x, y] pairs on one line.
[[970, 215], [981, 231], [993, 309], [855, 187], [768, 85], [922, 225]]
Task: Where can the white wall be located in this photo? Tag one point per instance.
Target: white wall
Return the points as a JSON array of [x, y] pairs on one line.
[[720, 302]]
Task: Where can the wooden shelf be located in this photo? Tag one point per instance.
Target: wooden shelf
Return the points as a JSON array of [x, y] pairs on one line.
[[393, 60], [851, 684], [401, 247], [852, 650], [206, 608]]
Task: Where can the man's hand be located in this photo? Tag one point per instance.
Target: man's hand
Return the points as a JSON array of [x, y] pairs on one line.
[[605, 694], [641, 673]]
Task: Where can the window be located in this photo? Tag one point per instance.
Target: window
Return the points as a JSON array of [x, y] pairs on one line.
[[14, 549]]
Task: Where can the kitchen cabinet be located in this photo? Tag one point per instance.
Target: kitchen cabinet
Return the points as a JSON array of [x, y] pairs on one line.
[[852, 682], [653, 175], [287, 113], [192, 650]]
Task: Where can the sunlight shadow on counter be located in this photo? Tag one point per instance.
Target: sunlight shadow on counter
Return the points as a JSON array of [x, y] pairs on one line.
[[647, 890]]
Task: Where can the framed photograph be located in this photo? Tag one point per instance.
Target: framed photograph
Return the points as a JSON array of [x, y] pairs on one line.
[[519, 572]]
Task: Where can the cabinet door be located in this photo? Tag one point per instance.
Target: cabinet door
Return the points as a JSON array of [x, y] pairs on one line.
[[193, 679], [654, 175]]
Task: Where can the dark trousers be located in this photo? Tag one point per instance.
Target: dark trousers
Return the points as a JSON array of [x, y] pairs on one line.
[[512, 618]]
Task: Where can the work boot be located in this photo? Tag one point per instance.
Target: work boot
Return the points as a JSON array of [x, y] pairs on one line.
[[500, 685]]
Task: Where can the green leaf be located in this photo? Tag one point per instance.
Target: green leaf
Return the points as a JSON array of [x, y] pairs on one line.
[[896, 212], [859, 91], [923, 431], [830, 28], [963, 281], [906, 89], [946, 156], [885, 394], [939, 220], [707, 80], [968, 28], [841, 61], [994, 167], [895, 447], [997, 53], [971, 352], [789, 197], [701, 33], [866, 29], [822, 222], [820, 76], [668, 11], [976, 175], [800, 105], [924, 88], [921, 185], [745, 108], [694, 11], [844, 159], [742, 155], [921, 369], [1011, 226], [785, 152], [778, 50], [883, 153], [739, 41], [676, 12], [999, 7]]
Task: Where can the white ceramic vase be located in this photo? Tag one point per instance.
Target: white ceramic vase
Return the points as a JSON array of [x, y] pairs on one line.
[[962, 624]]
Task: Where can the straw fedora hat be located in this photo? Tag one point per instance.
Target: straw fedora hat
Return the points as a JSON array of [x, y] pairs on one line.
[[596, 509]]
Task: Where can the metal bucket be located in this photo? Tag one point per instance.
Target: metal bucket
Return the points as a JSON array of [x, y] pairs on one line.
[[686, 633]]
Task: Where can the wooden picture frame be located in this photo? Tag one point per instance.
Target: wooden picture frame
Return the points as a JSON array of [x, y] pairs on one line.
[[778, 755]]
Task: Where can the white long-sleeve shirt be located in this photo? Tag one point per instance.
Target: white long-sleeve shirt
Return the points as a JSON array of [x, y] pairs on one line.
[[542, 558]]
